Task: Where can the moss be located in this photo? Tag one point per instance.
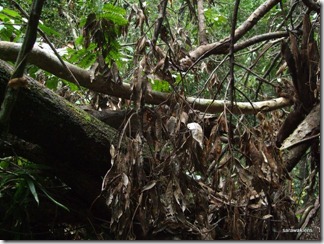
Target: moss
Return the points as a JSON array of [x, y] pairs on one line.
[[80, 112]]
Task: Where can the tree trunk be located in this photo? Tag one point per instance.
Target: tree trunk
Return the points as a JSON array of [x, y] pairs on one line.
[[47, 129]]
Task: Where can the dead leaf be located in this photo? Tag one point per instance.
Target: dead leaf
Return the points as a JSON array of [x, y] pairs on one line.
[[184, 117], [149, 185], [267, 216], [197, 133], [171, 125]]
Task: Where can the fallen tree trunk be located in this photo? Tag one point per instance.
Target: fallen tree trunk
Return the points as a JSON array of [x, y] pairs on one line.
[[47, 129]]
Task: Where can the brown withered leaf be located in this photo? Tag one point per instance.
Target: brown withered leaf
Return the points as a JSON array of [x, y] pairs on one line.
[[184, 117], [254, 153], [267, 216], [149, 185], [178, 195], [141, 45], [215, 150], [114, 74], [244, 174], [171, 125], [158, 126], [224, 160], [295, 51], [169, 199]]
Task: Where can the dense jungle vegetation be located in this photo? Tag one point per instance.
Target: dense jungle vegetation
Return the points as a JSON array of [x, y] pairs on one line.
[[160, 120]]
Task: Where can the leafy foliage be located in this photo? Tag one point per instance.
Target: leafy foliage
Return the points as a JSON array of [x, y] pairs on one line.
[[10, 30], [22, 189]]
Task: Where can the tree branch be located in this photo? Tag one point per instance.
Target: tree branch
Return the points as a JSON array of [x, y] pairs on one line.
[[313, 5], [222, 47], [201, 23], [260, 38], [49, 62]]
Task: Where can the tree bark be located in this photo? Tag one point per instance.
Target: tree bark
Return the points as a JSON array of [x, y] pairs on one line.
[[49, 62], [295, 146], [201, 23], [222, 47], [47, 129]]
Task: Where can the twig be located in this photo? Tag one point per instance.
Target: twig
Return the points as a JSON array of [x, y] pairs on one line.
[[232, 64]]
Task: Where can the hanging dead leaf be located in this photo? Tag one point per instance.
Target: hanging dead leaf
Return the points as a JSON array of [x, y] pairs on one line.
[[171, 125], [178, 195], [267, 216], [141, 44], [112, 151], [125, 180], [169, 199], [184, 117], [197, 133], [149, 185]]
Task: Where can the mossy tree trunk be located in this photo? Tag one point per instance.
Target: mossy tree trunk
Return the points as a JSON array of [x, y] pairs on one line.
[[46, 129]]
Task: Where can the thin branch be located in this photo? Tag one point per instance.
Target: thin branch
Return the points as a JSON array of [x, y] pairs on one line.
[[255, 74], [232, 63], [222, 47], [260, 38]]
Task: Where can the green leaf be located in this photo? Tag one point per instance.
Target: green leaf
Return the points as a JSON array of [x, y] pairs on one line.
[[114, 14], [4, 164], [4, 17], [32, 189], [116, 18], [47, 30], [20, 193], [52, 83], [53, 200], [71, 85], [11, 13], [160, 85]]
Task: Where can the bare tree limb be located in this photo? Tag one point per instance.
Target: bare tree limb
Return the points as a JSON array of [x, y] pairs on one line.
[[216, 106], [254, 18], [201, 23], [222, 47], [313, 5], [232, 78], [49, 62], [260, 38]]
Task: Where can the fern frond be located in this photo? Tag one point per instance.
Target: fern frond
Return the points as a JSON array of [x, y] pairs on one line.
[[115, 14]]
